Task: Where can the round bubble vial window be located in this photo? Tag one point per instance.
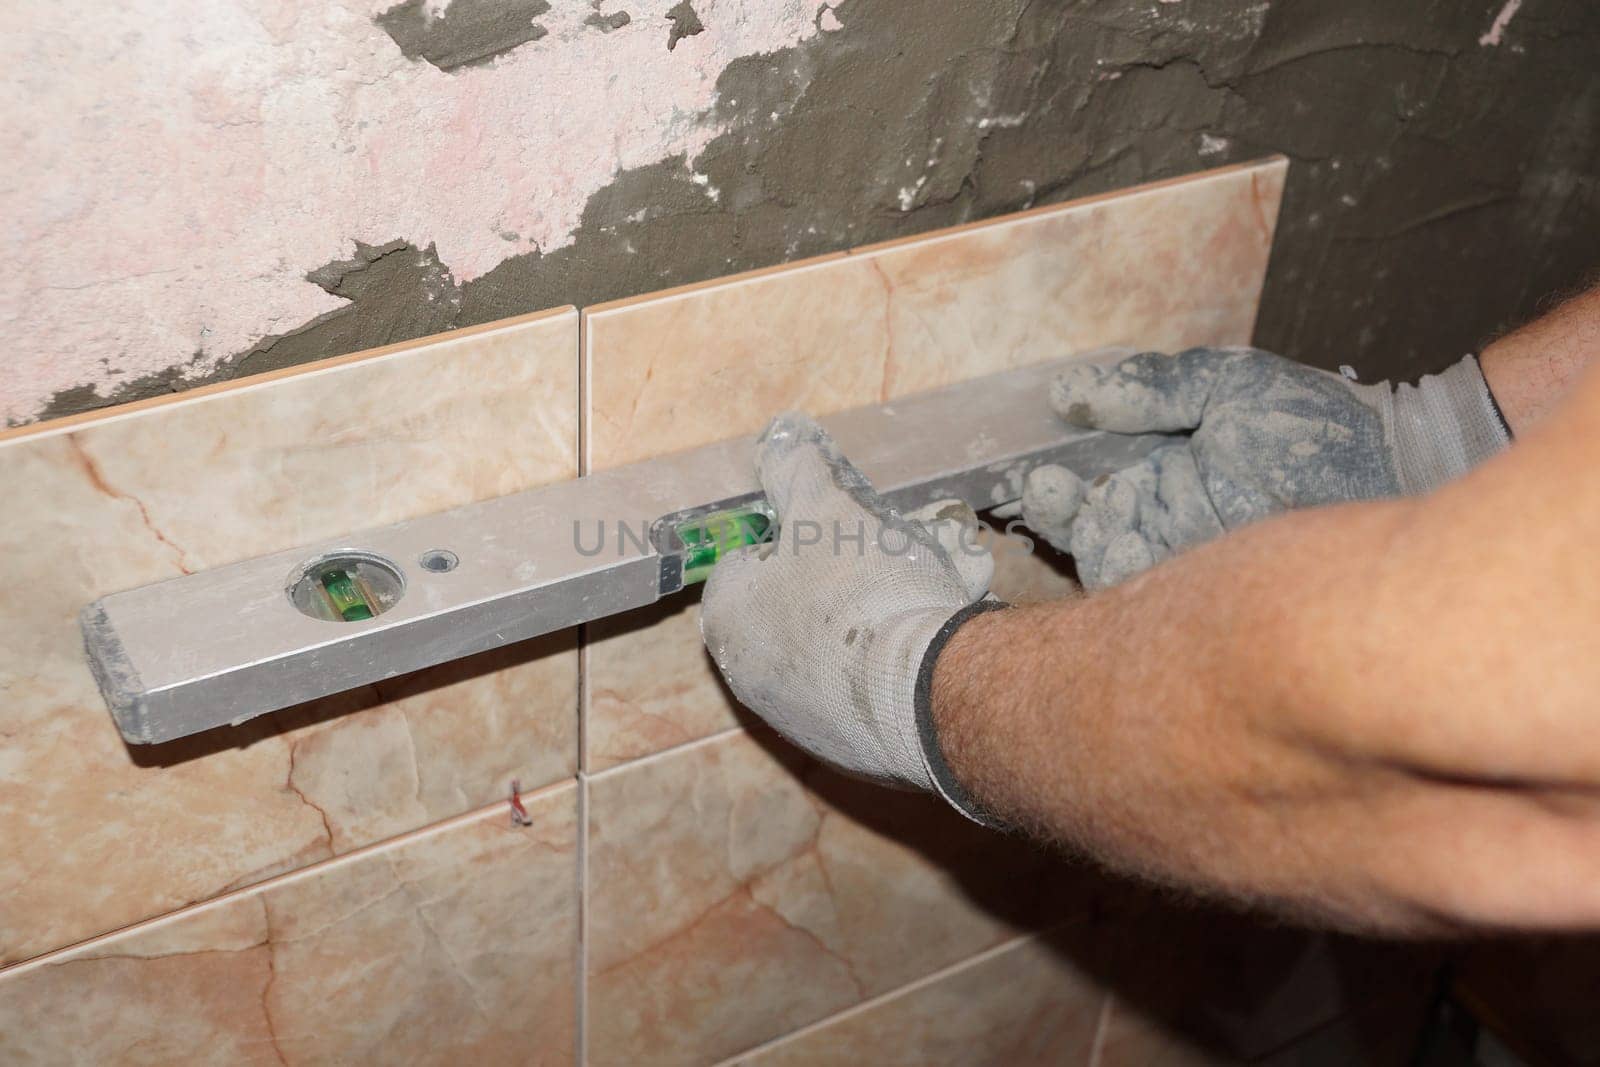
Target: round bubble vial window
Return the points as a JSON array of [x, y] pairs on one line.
[[348, 586]]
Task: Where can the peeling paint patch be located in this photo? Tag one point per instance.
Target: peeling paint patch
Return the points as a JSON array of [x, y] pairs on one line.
[[1502, 22], [685, 23], [466, 33]]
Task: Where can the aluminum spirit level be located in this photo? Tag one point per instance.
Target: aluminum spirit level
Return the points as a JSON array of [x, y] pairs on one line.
[[222, 646]]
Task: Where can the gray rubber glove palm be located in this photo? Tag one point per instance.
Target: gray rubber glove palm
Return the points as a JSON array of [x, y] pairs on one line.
[[1260, 435], [825, 632]]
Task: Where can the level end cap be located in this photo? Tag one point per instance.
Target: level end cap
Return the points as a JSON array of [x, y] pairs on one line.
[[116, 676]]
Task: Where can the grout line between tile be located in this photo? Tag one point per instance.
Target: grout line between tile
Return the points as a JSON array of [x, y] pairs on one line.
[[581, 1052], [1098, 1046], [497, 807], [583, 699], [585, 391], [583, 469], [883, 998], [653, 757]]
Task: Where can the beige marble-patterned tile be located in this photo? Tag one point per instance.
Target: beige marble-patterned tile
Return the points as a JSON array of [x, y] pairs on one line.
[[1025, 1003], [456, 944], [738, 891], [97, 834], [650, 684], [1163, 266]]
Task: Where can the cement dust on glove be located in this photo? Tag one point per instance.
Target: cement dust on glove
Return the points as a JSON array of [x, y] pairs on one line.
[[1259, 435], [824, 631]]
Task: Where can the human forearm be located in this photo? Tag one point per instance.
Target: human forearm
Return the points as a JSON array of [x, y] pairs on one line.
[[1284, 716], [1531, 369], [1150, 725], [1348, 683]]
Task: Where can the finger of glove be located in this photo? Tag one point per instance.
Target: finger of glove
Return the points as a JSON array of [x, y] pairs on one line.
[[807, 479], [956, 529], [730, 607], [1180, 514], [821, 499], [1147, 393], [1051, 499], [1111, 508], [1128, 554], [1128, 504]]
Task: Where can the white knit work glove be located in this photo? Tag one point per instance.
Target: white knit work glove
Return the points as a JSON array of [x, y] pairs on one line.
[[830, 632], [1261, 434]]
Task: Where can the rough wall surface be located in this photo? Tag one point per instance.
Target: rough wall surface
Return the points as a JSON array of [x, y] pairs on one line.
[[258, 183]]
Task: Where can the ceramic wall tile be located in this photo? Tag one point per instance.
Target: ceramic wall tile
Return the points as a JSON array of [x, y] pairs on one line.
[[738, 891], [97, 834], [650, 686], [456, 944], [1162, 267], [1024, 1003], [1158, 267]]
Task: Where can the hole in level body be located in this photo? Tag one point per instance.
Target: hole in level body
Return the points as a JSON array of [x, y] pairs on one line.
[[438, 560]]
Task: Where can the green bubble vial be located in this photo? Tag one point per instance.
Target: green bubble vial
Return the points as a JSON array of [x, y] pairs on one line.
[[346, 595], [708, 538]]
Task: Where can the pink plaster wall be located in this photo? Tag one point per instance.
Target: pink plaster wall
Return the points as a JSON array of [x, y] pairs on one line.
[[173, 170]]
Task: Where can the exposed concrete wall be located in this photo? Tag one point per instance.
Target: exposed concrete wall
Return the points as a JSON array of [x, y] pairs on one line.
[[257, 183]]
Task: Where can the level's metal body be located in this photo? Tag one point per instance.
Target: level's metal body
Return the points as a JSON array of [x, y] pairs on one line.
[[225, 645]]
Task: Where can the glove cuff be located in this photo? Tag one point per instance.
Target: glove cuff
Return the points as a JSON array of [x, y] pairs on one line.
[[939, 773], [1443, 426]]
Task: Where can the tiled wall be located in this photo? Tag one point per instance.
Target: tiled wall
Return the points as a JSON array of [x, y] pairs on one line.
[[97, 835], [341, 882], [456, 941]]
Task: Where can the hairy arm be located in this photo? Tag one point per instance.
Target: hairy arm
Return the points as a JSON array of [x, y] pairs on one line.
[[1532, 370], [1383, 713]]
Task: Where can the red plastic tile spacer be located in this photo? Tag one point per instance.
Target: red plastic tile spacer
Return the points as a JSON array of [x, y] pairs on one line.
[[519, 814]]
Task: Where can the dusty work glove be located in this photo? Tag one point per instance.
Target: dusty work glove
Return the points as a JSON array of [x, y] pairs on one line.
[[1260, 434], [830, 632]]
